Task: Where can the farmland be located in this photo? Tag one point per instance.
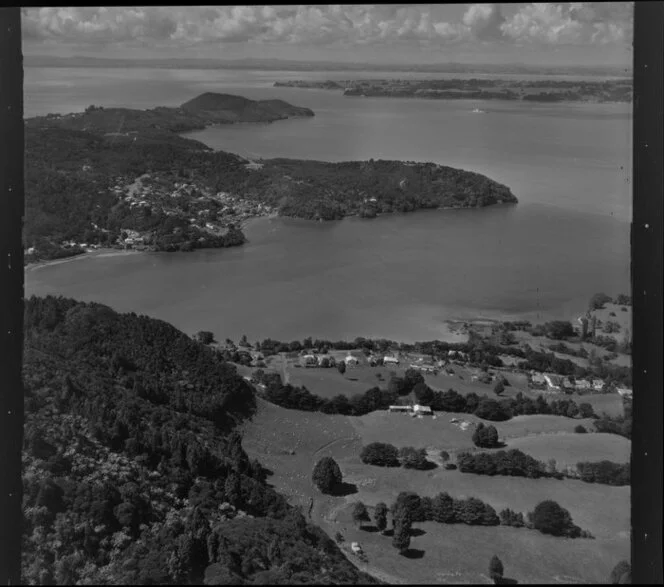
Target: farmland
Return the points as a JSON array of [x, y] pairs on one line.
[[289, 442], [569, 449]]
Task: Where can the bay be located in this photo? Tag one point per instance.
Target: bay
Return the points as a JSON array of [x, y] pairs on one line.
[[397, 276]]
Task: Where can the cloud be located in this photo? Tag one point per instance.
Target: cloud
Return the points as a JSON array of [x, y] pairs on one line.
[[550, 23], [571, 23]]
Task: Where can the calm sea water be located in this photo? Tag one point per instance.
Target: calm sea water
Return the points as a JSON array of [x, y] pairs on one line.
[[397, 276]]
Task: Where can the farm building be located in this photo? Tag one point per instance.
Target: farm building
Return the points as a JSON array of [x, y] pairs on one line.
[[390, 360], [422, 410], [537, 379], [400, 408], [624, 391], [583, 384], [310, 360], [552, 382], [350, 360]]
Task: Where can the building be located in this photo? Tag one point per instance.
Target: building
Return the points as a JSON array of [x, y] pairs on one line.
[[390, 361], [356, 548], [537, 379], [552, 382], [624, 391], [310, 360], [583, 384], [402, 409], [351, 361], [422, 410], [598, 384]]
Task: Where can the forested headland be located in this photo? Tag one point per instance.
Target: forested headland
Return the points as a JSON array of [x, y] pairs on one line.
[[124, 177]]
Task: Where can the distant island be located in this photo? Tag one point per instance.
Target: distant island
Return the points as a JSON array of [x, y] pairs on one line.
[[126, 178], [619, 90]]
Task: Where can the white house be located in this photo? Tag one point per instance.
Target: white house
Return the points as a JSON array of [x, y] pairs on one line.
[[537, 379], [552, 381], [356, 548], [598, 384], [624, 391], [390, 360], [350, 360], [400, 408], [582, 384], [422, 410]]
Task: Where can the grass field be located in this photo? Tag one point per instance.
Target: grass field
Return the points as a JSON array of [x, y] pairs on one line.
[[459, 554], [291, 442], [569, 449]]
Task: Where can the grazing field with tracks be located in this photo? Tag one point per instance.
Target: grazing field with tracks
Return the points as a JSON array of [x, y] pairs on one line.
[[290, 442]]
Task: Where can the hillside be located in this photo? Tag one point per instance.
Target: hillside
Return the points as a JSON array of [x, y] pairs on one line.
[[133, 470], [225, 108], [118, 177]]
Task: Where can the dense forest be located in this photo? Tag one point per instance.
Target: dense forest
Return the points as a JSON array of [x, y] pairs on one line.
[[75, 162], [133, 470]]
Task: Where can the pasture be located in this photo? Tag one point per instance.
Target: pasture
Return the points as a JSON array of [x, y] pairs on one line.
[[290, 442], [459, 554], [569, 449]]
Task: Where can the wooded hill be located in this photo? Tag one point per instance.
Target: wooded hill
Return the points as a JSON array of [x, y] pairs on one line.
[[133, 470], [73, 162]]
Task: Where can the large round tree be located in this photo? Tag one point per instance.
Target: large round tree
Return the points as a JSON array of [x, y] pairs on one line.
[[550, 518], [327, 475]]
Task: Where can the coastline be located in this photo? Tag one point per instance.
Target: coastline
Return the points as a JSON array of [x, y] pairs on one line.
[[105, 252]]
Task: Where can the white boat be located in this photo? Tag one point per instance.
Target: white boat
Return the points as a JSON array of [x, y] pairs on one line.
[[478, 111]]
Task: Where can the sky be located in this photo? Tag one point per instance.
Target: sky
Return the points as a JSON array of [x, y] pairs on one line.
[[545, 34]]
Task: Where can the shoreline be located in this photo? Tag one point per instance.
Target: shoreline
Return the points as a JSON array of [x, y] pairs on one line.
[[102, 252]]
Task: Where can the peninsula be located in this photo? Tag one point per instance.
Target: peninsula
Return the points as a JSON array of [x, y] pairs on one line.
[[545, 90], [127, 178]]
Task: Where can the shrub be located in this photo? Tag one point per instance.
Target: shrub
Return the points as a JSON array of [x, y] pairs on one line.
[[444, 455], [380, 454], [580, 429], [450, 466]]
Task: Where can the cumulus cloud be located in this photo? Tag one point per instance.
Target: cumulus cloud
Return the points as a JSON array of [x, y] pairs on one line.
[[571, 23], [550, 23]]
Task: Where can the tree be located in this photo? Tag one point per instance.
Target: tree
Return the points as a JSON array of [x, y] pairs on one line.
[[380, 516], [401, 538], [559, 329], [623, 300], [327, 475], [407, 505], [380, 454], [485, 436], [341, 365], [621, 573], [411, 378], [360, 514], [580, 429], [444, 455], [205, 337], [413, 458], [495, 569], [586, 410], [499, 387], [550, 518], [243, 341], [598, 300]]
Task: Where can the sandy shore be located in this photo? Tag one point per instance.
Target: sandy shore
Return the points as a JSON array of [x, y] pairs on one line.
[[92, 254]]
